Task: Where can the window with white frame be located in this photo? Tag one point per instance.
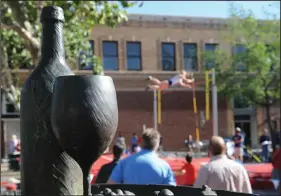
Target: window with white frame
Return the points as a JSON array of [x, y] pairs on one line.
[[190, 56]]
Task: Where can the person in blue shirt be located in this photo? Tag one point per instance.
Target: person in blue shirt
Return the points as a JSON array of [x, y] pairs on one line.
[[238, 139], [134, 142], [144, 167]]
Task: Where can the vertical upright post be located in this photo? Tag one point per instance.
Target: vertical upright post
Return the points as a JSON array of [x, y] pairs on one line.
[[155, 108], [1, 150], [215, 104], [207, 96], [195, 112], [159, 106]]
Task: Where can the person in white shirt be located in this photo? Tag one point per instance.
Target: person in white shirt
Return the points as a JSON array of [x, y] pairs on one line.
[[13, 144], [180, 79], [222, 173], [121, 140]]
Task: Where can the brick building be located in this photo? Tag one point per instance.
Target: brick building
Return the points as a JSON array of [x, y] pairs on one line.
[[161, 46]]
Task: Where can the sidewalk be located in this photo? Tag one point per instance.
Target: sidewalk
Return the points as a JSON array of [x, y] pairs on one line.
[[5, 173]]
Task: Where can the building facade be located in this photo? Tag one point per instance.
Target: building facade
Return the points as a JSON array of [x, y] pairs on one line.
[[161, 46]]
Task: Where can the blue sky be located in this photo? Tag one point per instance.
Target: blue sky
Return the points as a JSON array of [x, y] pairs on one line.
[[199, 8]]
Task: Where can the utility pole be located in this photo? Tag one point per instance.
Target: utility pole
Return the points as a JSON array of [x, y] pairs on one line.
[[155, 108], [215, 104]]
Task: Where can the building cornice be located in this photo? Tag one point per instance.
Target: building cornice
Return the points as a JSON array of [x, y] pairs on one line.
[[162, 21], [172, 22], [139, 75], [176, 19]]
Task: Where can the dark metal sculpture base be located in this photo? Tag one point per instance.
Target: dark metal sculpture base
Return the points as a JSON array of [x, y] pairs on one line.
[[159, 190]]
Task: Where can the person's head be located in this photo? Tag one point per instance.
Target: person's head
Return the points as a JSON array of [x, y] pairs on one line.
[[134, 134], [150, 139], [237, 130], [183, 72], [14, 137], [188, 158], [217, 146], [118, 150], [190, 137], [265, 131], [186, 74]]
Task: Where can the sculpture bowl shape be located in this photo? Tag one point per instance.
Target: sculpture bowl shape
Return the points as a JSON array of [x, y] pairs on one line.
[[84, 116]]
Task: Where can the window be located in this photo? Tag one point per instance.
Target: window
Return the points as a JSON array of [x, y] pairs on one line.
[[209, 58], [240, 103], [190, 57], [133, 55], [168, 57], [86, 64], [110, 55], [7, 107], [240, 52]]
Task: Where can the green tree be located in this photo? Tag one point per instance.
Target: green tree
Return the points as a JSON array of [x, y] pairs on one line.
[[21, 31], [253, 70]]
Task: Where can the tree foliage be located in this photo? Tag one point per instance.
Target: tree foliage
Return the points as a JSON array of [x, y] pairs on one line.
[[21, 31], [252, 70]]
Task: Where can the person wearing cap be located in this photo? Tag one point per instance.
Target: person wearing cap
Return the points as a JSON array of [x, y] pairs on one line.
[[238, 140]]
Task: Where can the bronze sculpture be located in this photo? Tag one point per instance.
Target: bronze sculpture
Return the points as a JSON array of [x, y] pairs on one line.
[[40, 149]]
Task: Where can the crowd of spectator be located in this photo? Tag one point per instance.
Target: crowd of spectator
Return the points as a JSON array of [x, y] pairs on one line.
[[144, 164]]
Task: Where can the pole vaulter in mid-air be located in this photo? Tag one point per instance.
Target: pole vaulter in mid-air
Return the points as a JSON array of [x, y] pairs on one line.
[[184, 79]]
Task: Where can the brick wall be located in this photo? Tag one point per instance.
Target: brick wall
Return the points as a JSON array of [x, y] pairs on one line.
[[152, 35], [178, 119]]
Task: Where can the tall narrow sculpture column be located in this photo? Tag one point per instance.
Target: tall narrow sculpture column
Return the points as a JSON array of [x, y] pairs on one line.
[[41, 152]]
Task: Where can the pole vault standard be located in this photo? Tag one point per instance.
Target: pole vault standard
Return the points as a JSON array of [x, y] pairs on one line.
[[157, 104], [215, 104], [155, 108], [195, 112]]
